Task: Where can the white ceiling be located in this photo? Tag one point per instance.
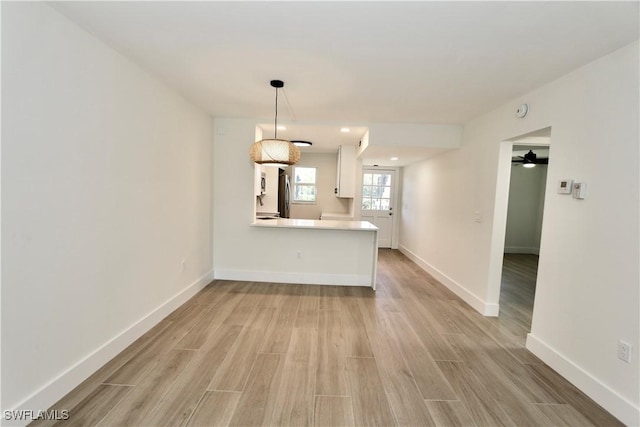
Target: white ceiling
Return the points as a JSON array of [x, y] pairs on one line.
[[358, 62], [325, 138]]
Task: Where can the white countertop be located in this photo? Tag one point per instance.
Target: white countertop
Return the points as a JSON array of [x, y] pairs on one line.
[[315, 224]]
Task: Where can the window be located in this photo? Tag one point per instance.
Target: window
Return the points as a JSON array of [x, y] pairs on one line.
[[376, 191], [304, 185]]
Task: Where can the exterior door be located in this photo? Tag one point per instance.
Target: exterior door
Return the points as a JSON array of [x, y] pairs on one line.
[[377, 202]]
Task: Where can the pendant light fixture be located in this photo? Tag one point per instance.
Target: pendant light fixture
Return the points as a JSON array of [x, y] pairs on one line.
[[276, 152]]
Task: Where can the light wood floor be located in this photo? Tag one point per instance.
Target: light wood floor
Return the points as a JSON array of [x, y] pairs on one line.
[[410, 354], [517, 291]]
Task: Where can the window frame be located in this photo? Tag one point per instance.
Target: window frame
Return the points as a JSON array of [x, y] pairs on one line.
[[305, 184]]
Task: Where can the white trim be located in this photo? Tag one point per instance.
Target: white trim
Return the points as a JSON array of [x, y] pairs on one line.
[[623, 409], [300, 278], [76, 374], [397, 178], [485, 308], [521, 250]]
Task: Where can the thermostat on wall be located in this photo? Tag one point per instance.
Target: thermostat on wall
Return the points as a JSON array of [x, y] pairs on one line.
[[565, 186], [579, 190]]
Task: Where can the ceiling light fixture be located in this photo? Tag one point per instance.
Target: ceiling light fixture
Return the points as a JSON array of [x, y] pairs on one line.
[[393, 158], [282, 127], [300, 143], [345, 130], [530, 160], [276, 152]]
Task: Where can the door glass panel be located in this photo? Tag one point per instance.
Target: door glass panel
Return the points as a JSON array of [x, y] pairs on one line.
[[376, 191]]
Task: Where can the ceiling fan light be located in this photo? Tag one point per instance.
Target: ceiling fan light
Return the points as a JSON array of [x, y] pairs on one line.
[[300, 143], [529, 165]]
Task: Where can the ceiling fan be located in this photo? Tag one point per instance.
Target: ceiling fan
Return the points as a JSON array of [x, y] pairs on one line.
[[530, 159]]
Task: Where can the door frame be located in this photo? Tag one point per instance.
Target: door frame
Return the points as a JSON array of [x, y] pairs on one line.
[[501, 208], [396, 188]]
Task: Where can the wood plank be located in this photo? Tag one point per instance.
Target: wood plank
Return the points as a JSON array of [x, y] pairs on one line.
[[95, 406], [177, 405], [398, 383], [257, 402], [356, 341], [370, 404], [278, 334], [574, 397], [425, 327], [91, 384], [450, 413], [333, 411], [250, 300], [427, 375], [331, 375], [510, 397], [482, 348], [146, 395], [215, 409], [208, 324], [484, 409], [294, 405], [564, 415], [213, 292], [234, 370], [309, 308], [329, 298], [147, 358]]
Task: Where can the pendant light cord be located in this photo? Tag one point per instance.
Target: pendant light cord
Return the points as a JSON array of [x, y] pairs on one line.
[[275, 124]]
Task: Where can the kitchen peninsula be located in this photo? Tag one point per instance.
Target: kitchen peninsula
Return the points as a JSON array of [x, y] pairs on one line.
[[325, 252]]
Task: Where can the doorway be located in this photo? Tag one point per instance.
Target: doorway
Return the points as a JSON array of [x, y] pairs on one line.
[[378, 201], [518, 224], [527, 186]]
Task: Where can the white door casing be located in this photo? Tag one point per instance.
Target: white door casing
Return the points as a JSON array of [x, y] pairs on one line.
[[378, 202]]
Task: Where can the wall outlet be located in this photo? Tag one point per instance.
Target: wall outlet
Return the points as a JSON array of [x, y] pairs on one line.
[[624, 351]]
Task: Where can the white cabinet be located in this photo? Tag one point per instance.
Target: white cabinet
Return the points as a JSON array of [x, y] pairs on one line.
[[346, 172]]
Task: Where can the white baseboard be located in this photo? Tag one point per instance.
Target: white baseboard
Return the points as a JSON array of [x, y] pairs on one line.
[[76, 374], [302, 278], [485, 308], [521, 250], [621, 408]]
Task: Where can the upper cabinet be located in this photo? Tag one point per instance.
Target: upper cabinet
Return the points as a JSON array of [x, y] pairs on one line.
[[346, 172]]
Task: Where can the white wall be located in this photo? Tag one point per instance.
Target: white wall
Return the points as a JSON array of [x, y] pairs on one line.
[[326, 165], [413, 135], [587, 292], [106, 188], [524, 215]]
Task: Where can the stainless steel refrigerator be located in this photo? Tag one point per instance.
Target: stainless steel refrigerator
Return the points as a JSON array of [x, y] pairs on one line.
[[284, 194]]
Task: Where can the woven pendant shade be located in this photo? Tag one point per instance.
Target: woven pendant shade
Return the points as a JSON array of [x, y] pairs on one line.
[[274, 152]]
